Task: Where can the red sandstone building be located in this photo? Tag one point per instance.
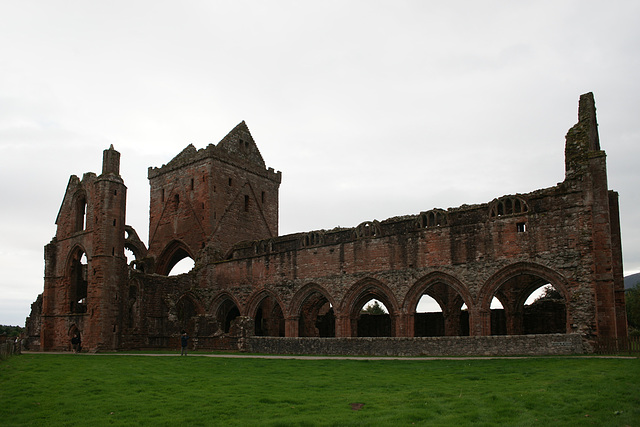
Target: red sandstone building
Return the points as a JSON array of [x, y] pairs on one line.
[[254, 290]]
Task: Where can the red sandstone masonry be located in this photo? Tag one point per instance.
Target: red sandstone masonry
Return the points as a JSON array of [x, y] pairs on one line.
[[219, 205]]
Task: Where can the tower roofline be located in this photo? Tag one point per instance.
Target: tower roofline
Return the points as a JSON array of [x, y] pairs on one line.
[[237, 148]]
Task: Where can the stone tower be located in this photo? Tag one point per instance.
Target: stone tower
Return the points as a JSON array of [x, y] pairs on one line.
[[85, 266], [213, 198]]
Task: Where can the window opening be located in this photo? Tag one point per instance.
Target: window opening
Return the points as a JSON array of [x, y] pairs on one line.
[[374, 320], [521, 227], [246, 203], [316, 317], [545, 311], [440, 311], [498, 318], [129, 255], [508, 207], [269, 319], [78, 285], [427, 304], [81, 214], [185, 265]]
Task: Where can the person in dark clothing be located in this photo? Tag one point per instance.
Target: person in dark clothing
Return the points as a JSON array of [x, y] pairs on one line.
[[184, 342], [76, 343]]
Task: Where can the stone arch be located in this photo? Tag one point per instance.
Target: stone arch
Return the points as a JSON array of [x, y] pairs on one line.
[[359, 294], [133, 243], [512, 285], [368, 229], [312, 307], [173, 253], [76, 276], [312, 238], [265, 308], [508, 205], [450, 294], [187, 308], [433, 218], [225, 309]]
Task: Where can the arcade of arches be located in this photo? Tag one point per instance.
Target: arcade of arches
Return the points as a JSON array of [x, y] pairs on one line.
[[314, 312]]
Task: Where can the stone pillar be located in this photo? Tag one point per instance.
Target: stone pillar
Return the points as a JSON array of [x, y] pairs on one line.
[[479, 322], [291, 326], [410, 324], [515, 320], [343, 326], [451, 321]]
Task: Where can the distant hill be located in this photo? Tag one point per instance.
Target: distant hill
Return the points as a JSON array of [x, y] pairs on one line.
[[630, 281]]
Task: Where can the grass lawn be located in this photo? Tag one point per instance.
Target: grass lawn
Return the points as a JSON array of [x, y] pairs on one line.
[[46, 389]]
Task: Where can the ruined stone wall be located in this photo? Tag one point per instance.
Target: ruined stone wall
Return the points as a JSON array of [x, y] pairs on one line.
[[470, 256], [219, 205], [499, 345]]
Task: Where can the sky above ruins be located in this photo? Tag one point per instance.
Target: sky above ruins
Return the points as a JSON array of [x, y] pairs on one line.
[[371, 109]]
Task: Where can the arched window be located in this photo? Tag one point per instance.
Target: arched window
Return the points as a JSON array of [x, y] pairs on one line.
[[439, 312], [433, 218], [368, 229], [509, 205], [269, 319], [527, 303], [80, 212], [175, 253], [227, 312], [376, 322], [316, 317], [77, 276]]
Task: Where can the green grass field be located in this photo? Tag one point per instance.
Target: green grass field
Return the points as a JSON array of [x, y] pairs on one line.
[[45, 389]]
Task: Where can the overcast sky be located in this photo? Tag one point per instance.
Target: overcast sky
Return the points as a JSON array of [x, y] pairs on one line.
[[371, 109]]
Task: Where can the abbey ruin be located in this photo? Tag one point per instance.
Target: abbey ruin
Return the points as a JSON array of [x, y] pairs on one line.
[[253, 290]]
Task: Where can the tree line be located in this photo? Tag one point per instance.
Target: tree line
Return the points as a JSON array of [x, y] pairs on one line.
[[11, 331]]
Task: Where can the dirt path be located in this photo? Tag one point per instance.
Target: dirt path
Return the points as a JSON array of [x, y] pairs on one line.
[[300, 357]]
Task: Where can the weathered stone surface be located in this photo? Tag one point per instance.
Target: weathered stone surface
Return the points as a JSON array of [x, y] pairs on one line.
[[219, 206], [505, 345]]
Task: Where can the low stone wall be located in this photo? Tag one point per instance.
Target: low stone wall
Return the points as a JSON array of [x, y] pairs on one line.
[[496, 345]]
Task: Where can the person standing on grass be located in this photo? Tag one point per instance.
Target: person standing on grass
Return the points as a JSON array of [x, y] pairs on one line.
[[184, 341], [76, 343]]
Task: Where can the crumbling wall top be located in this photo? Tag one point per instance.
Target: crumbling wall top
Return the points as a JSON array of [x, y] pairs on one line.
[[582, 140]]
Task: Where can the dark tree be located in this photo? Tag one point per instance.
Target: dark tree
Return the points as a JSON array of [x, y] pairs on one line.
[[632, 297]]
